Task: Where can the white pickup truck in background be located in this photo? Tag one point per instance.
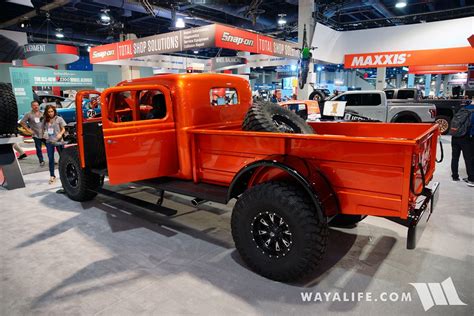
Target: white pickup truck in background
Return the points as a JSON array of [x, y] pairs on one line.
[[373, 104]]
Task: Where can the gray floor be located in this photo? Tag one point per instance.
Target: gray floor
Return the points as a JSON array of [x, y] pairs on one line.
[[107, 257]]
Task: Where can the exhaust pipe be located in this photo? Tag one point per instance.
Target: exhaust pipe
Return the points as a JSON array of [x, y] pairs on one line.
[[197, 201]]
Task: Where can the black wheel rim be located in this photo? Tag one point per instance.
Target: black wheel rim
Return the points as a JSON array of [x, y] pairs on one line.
[[72, 175], [285, 125], [271, 234]]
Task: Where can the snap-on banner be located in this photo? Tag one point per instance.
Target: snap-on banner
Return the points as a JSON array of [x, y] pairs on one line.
[[214, 35], [444, 56]]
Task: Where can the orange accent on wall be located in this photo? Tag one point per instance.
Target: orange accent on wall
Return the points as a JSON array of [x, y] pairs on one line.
[[444, 56]]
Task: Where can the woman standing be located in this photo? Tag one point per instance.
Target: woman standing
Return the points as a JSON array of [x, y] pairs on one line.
[[53, 131]]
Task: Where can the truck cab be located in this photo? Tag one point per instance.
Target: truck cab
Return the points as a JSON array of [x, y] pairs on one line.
[[143, 128], [374, 105]]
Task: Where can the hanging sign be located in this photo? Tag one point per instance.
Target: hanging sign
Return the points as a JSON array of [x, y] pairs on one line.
[[50, 54], [214, 35]]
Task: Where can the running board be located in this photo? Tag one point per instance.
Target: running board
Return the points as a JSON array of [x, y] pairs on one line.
[[144, 204], [204, 191]]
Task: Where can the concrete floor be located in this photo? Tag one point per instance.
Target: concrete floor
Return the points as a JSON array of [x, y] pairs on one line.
[[107, 257]]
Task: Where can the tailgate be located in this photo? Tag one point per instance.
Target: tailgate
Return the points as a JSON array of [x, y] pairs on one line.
[[423, 161]]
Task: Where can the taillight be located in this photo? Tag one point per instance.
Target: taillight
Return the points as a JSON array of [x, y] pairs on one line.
[[433, 113]]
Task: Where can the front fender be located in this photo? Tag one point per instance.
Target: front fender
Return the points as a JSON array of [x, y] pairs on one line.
[[295, 169]]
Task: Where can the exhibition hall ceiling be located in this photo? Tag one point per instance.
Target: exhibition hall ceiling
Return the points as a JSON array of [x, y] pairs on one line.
[[82, 21]]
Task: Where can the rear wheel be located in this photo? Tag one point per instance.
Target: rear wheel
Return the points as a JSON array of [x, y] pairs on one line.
[[78, 183], [444, 123], [278, 231]]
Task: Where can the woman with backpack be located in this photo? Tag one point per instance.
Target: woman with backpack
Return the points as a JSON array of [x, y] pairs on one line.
[[462, 131]]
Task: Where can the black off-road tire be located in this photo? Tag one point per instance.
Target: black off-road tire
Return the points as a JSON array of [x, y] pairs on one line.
[[8, 110], [444, 123], [305, 222], [344, 220], [79, 184], [265, 116]]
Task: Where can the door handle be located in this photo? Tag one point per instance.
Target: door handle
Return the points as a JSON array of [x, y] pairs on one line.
[[110, 141]]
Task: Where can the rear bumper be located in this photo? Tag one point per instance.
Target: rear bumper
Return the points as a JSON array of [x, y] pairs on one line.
[[419, 218]]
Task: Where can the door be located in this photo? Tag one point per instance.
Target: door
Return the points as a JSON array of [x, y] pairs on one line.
[[366, 104], [139, 133]]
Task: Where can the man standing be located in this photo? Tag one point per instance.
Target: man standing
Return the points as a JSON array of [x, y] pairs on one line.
[[463, 141], [32, 123]]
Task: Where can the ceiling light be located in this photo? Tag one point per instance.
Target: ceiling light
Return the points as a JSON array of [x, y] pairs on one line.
[[59, 34], [281, 20], [318, 68], [105, 18], [88, 48], [196, 52], [179, 23], [400, 4]]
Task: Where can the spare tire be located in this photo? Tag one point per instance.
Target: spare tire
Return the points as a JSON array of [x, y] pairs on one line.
[[269, 117], [8, 110]]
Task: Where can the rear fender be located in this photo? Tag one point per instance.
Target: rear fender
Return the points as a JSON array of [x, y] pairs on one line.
[[288, 169]]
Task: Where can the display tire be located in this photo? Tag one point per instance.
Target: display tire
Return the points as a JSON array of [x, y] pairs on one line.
[[303, 220], [444, 123], [345, 220], [265, 116], [317, 96], [8, 110], [79, 184]]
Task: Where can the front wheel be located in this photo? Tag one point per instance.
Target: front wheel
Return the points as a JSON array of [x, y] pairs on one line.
[[278, 231], [78, 183]]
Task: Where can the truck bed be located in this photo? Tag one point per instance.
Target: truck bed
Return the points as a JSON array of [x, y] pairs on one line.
[[369, 165]]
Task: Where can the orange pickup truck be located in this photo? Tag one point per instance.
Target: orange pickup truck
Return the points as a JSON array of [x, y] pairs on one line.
[[183, 133]]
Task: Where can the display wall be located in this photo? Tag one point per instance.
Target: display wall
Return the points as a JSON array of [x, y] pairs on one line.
[[333, 45]]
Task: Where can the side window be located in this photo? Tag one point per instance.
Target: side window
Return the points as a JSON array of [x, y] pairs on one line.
[[389, 94], [371, 99], [137, 106], [223, 96], [121, 107], [406, 94], [352, 99], [152, 105]]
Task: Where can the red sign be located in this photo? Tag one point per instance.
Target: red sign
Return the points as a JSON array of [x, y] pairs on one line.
[[457, 55], [214, 35], [103, 53], [237, 39], [265, 45], [125, 49]]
